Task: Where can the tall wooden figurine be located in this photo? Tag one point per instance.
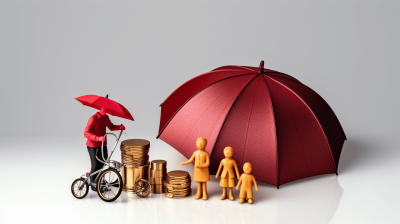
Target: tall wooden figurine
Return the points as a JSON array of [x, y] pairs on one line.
[[246, 180], [201, 172], [227, 175]]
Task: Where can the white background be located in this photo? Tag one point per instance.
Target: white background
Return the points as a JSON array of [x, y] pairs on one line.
[[138, 52]]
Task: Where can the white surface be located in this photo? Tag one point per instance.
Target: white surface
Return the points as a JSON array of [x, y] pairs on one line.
[[37, 173]]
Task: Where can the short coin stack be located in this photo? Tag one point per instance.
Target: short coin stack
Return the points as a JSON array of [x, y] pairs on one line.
[[177, 184], [158, 172]]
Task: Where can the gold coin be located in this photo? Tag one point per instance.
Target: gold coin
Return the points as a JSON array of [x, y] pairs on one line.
[[134, 149], [158, 174], [158, 164], [178, 174], [177, 192], [177, 182], [135, 142], [177, 188], [156, 181], [175, 196], [156, 189]]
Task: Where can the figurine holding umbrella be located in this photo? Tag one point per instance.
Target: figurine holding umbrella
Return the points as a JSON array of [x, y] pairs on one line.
[[96, 128]]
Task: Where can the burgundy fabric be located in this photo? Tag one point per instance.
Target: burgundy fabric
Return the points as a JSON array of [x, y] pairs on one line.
[[250, 130], [282, 127], [96, 128], [203, 115], [111, 106], [187, 90], [323, 112], [255, 69], [316, 156]]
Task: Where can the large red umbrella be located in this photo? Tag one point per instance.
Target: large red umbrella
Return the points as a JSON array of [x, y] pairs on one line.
[[272, 120], [111, 106]]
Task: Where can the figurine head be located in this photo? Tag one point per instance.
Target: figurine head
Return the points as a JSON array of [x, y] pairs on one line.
[[247, 168], [201, 143], [228, 152], [103, 111]]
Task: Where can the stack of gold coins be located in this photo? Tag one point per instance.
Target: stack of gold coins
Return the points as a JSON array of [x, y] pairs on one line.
[[135, 152], [158, 172], [135, 156], [177, 184]]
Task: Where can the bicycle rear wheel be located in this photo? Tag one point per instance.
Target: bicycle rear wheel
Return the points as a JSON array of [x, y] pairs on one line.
[[109, 185], [142, 188]]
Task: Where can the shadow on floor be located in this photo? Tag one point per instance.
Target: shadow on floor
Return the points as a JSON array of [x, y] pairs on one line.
[[359, 153]]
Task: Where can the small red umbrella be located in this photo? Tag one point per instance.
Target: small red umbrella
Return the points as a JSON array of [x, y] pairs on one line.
[[282, 127], [112, 107]]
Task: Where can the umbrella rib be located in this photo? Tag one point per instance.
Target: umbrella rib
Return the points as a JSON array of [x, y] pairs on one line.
[[315, 93], [165, 126], [248, 121], [297, 134], [272, 74], [230, 109], [213, 71], [235, 66], [312, 112], [202, 116], [276, 135]]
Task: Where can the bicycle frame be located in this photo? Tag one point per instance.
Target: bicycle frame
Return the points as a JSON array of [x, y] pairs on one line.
[[105, 162]]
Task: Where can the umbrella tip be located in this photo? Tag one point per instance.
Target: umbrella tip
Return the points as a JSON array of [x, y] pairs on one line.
[[107, 96], [261, 68]]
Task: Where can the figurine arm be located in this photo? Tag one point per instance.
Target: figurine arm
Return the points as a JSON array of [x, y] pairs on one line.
[[219, 169], [88, 129], [237, 170], [205, 164], [255, 184], [111, 126], [240, 182], [189, 161]]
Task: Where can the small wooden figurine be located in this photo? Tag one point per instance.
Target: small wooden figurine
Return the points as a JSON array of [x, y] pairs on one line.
[[228, 176], [246, 181], [201, 173]]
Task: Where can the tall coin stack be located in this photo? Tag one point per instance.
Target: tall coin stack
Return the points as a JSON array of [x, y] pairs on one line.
[[158, 172], [177, 184], [135, 155]]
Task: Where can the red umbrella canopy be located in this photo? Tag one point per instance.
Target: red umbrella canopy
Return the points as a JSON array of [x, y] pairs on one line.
[[272, 120], [111, 106]]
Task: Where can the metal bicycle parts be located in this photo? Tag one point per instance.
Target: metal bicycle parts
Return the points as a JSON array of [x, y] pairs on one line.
[[108, 182]]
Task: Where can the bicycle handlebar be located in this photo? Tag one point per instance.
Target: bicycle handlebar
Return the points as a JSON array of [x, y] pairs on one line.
[[115, 145]]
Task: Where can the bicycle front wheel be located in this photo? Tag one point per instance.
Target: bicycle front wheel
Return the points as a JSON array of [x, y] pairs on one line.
[[79, 188]]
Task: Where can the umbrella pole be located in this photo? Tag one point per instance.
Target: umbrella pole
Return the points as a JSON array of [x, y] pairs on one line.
[[277, 187]]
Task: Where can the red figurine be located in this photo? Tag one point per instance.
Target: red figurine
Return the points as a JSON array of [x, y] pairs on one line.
[[96, 127]]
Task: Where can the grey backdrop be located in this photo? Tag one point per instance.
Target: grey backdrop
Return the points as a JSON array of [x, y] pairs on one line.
[[138, 52]]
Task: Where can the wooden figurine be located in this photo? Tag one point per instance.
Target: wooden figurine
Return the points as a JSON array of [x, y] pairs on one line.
[[201, 173], [246, 180], [228, 176]]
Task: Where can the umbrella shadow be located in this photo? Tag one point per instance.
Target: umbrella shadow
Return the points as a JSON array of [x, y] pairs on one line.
[[310, 200], [359, 153]]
